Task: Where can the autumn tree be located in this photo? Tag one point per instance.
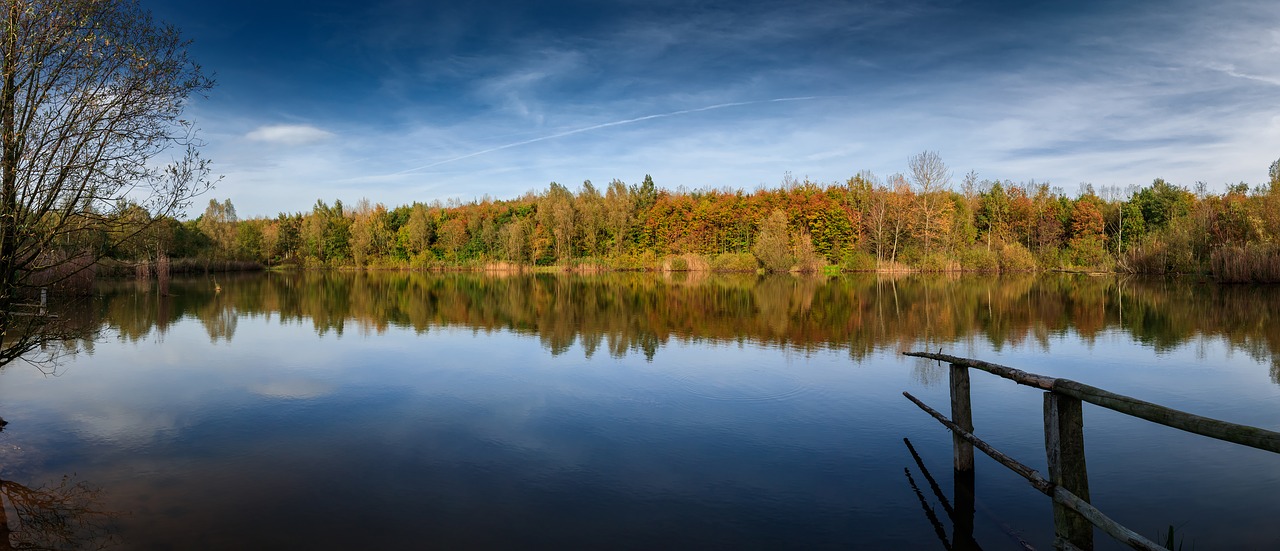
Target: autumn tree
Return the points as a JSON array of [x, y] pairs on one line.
[[91, 98], [453, 235], [515, 239], [419, 231], [899, 214], [555, 214], [618, 210], [589, 212], [773, 243], [1087, 231], [219, 223], [930, 176], [370, 234]]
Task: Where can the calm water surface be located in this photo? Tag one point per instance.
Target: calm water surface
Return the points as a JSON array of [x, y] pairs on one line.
[[328, 411]]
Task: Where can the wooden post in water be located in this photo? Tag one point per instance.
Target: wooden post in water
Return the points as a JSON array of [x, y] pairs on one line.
[[961, 415], [1064, 446]]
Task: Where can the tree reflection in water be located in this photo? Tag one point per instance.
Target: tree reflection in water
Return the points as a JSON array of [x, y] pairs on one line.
[[62, 515], [624, 313]]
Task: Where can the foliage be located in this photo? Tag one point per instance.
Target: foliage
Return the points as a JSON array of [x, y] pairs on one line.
[[1016, 258], [979, 259], [773, 244], [937, 262], [862, 224], [734, 262], [858, 261]]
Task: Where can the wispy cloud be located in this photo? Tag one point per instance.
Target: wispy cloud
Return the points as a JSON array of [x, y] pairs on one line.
[[289, 134], [443, 100], [601, 126], [1230, 70]]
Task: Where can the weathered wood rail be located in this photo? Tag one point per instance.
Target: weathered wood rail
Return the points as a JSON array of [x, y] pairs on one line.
[[1074, 517]]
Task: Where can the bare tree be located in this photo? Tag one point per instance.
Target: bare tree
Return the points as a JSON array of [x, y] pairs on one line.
[[91, 95], [930, 175]]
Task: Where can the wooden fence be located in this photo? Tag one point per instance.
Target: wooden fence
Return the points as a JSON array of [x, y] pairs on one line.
[[1068, 484]]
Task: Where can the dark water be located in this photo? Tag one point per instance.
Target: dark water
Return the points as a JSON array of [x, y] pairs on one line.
[[381, 411]]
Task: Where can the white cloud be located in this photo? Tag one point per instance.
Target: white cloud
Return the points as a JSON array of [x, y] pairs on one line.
[[289, 134]]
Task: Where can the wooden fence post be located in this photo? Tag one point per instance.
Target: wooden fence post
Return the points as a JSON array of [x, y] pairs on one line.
[[1064, 446], [961, 415]]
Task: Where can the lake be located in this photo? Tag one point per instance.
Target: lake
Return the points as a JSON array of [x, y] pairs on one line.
[[692, 411]]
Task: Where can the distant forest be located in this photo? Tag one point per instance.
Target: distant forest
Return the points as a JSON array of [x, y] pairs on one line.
[[922, 220]]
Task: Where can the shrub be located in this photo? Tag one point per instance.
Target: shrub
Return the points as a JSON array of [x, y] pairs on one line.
[[1088, 252], [1014, 257], [979, 259], [696, 262], [937, 262], [858, 261], [734, 262], [646, 260]]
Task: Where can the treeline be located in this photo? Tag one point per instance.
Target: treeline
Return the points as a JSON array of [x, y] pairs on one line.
[[915, 221]]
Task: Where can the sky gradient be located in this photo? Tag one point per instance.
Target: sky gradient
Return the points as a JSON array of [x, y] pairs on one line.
[[400, 101]]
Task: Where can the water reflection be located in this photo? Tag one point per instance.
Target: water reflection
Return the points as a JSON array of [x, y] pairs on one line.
[[63, 515], [384, 410], [641, 313], [66, 514]]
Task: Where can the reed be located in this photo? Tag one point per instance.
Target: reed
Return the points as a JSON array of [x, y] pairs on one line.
[[1252, 263], [162, 273], [68, 272]]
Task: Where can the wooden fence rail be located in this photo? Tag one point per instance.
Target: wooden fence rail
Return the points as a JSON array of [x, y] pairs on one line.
[[1244, 435], [1068, 486]]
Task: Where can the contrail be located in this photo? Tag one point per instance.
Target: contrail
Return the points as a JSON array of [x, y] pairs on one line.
[[606, 125]]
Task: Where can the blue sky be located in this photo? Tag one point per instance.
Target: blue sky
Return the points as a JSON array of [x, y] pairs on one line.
[[400, 101]]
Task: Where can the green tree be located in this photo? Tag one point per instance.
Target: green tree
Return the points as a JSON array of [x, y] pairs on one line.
[[419, 231], [370, 234], [645, 194], [555, 214], [249, 241], [993, 213], [589, 213], [219, 223], [1162, 202], [619, 214]]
